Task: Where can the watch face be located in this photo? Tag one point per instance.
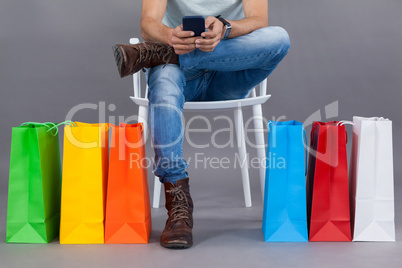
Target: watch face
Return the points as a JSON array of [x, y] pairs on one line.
[[227, 25], [227, 32]]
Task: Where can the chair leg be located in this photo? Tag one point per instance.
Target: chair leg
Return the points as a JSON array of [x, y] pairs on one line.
[[241, 144], [260, 143], [143, 117], [157, 193]]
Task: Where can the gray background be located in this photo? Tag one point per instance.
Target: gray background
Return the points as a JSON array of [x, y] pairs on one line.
[[57, 54]]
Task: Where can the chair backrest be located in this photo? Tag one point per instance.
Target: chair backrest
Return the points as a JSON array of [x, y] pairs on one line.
[[137, 82]]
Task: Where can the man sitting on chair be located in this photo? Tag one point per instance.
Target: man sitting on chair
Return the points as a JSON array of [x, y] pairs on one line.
[[237, 53]]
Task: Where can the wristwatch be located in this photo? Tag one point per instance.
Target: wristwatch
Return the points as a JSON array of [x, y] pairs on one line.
[[227, 25]]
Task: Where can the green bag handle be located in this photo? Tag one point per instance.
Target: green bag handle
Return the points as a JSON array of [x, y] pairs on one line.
[[50, 125], [56, 126]]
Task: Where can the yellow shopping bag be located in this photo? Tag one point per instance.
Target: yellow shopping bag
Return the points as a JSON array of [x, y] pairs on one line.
[[84, 179]]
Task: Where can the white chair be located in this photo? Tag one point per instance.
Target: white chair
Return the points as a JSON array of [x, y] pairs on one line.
[[236, 105]]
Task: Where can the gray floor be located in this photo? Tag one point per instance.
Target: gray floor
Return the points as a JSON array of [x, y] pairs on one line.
[[226, 234], [56, 54]]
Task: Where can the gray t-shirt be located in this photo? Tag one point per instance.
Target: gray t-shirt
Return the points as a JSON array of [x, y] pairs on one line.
[[177, 9]]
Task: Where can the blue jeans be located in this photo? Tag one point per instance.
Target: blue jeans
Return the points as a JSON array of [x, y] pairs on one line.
[[229, 72]]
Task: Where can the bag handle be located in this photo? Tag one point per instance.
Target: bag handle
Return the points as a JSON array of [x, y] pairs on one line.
[[313, 129], [49, 125], [345, 122], [305, 149], [272, 130], [56, 126], [108, 125], [37, 124], [339, 123]]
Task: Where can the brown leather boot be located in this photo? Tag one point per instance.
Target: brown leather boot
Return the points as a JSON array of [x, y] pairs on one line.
[[132, 58], [178, 230]]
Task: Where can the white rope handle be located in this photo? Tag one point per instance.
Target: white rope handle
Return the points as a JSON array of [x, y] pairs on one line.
[[382, 119], [344, 122]]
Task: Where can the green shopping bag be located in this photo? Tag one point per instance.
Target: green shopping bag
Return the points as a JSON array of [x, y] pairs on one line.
[[33, 210]]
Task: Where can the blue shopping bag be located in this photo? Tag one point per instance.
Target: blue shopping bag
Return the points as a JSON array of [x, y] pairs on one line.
[[285, 215]]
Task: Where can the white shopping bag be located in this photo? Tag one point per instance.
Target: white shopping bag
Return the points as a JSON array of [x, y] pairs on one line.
[[372, 180]]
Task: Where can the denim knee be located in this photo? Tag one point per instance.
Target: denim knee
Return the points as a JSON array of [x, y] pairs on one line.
[[165, 85], [274, 41], [277, 38]]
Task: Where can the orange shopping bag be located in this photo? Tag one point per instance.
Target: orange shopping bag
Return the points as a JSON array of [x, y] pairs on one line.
[[128, 210]]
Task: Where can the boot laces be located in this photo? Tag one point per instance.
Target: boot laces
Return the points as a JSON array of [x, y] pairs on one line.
[[180, 204], [147, 53]]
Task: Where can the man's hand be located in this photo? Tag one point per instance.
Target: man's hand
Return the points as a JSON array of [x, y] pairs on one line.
[[183, 41], [212, 37]]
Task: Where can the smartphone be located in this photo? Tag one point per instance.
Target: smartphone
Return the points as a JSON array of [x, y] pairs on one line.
[[195, 24]]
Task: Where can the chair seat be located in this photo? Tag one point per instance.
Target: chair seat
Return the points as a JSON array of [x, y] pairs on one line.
[[213, 105]]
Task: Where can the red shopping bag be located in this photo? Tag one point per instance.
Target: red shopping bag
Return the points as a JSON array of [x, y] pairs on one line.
[[128, 210], [327, 184]]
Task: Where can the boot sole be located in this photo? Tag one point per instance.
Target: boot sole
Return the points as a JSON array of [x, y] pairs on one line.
[[119, 58], [176, 245]]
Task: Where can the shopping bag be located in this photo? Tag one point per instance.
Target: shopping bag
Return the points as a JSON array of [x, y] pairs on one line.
[[285, 215], [128, 209], [372, 180], [327, 184], [33, 209], [85, 170]]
